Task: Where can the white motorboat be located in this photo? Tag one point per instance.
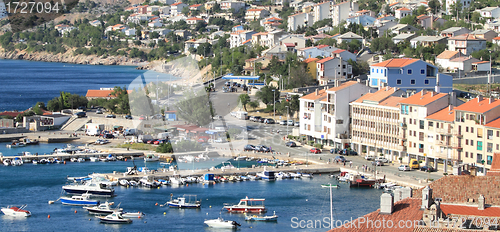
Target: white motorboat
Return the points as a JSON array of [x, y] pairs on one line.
[[151, 158], [191, 179], [115, 218], [80, 160], [306, 175], [104, 208], [111, 158], [16, 211], [94, 159], [35, 162], [266, 175], [123, 182], [43, 161], [241, 158], [84, 199], [133, 214], [133, 183], [221, 223], [73, 159], [295, 175], [149, 182], [17, 162], [186, 201], [7, 162], [91, 186], [247, 205]]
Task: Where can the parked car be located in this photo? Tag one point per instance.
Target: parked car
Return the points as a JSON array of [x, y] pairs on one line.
[[256, 118], [290, 122], [142, 117], [128, 116], [98, 111], [157, 116], [382, 159], [269, 121], [290, 144], [283, 122], [262, 148], [369, 157], [297, 124], [315, 150], [339, 158], [110, 116], [81, 114], [108, 136], [404, 167], [249, 147], [378, 163], [261, 120], [427, 169], [157, 142], [348, 152]]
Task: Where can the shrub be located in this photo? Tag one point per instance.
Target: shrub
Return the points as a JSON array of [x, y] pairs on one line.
[[318, 145], [165, 148], [310, 143]]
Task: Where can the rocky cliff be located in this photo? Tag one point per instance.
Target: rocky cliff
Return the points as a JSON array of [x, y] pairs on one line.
[[68, 57]]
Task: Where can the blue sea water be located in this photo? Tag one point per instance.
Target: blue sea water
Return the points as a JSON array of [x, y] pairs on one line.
[[24, 83], [292, 200]]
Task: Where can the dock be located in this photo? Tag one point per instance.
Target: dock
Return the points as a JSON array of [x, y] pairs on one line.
[[165, 173]]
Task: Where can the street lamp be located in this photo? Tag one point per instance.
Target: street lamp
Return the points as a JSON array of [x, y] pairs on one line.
[[287, 115], [274, 105]]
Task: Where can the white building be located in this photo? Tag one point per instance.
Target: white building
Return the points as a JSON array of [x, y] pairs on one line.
[[300, 20], [331, 69], [464, 3], [341, 11], [466, 43], [402, 12], [321, 11]]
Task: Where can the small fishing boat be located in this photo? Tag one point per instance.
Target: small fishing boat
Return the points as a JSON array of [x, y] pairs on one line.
[[110, 158], [133, 183], [17, 162], [80, 160], [84, 199], [186, 201], [247, 205], [123, 182], [35, 162], [151, 158], [15, 144], [94, 159], [16, 211], [221, 223], [115, 218], [29, 141], [306, 175], [330, 186], [133, 214], [295, 175], [272, 218], [43, 161], [103, 208]]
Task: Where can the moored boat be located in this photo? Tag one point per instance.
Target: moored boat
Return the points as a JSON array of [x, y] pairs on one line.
[[266, 218], [115, 218], [104, 208], [132, 214], [186, 201], [330, 186], [151, 158], [16, 211], [84, 199], [221, 223], [247, 205], [92, 187]]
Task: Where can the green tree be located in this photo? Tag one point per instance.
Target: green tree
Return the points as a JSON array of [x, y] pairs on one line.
[[39, 107], [244, 100], [435, 6], [195, 108], [253, 104], [268, 95]]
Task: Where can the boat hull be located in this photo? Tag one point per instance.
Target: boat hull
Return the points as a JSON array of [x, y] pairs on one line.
[[245, 210], [67, 201], [187, 206], [14, 213], [263, 219], [106, 193], [115, 221]]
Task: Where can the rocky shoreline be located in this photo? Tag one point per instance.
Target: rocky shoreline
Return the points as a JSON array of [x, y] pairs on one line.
[[68, 57]]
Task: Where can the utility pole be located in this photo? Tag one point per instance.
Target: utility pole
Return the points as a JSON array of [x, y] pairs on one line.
[[274, 105], [489, 77]]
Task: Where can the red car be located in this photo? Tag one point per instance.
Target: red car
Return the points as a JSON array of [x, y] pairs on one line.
[[315, 150]]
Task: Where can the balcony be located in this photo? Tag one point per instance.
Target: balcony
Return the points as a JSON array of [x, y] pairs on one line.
[[439, 142], [457, 146], [444, 131], [457, 133], [403, 126], [401, 148], [402, 136]]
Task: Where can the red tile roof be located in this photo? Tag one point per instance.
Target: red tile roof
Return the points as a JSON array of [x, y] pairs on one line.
[[325, 60], [195, 5], [11, 113], [289, 44], [378, 96], [418, 99], [309, 60], [101, 93], [459, 189], [496, 38], [342, 86], [404, 8], [321, 46], [494, 124], [177, 3], [313, 96], [481, 62], [470, 210], [391, 101], [445, 115], [338, 51], [447, 54], [465, 37], [194, 18], [255, 10], [479, 107], [404, 210], [396, 62]]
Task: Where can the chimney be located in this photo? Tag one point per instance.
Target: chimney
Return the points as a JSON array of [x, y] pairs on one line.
[[450, 107], [481, 202], [432, 94], [387, 88], [317, 92], [422, 93], [491, 100], [426, 197], [359, 80], [386, 204], [479, 98], [406, 192], [453, 98]]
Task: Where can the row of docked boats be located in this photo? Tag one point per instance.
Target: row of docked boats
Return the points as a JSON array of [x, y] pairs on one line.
[[22, 143], [358, 180]]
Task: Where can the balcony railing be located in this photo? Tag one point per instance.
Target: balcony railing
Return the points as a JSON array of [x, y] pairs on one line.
[[457, 146], [444, 131], [402, 136], [401, 148], [403, 125], [457, 133]]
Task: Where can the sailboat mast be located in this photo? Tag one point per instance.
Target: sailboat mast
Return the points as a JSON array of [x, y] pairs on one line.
[[331, 208]]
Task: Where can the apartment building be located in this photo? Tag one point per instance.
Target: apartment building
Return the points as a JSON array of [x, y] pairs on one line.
[[239, 37], [476, 126], [310, 114], [330, 69], [414, 133], [321, 11], [375, 124], [408, 74], [300, 20], [439, 136], [466, 43], [341, 11]]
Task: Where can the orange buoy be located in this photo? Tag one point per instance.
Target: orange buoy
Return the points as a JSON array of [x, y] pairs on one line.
[[156, 203], [48, 216], [75, 211], [64, 162], [187, 185], [125, 159]]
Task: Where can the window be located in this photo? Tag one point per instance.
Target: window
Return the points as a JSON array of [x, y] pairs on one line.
[[340, 121], [422, 123], [426, 82], [498, 133], [377, 70], [479, 158], [471, 129], [409, 71], [412, 81], [466, 154], [422, 71], [489, 159], [498, 146], [479, 145], [431, 124], [489, 147], [466, 142], [401, 71], [466, 129], [472, 155], [398, 82]]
